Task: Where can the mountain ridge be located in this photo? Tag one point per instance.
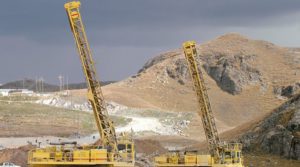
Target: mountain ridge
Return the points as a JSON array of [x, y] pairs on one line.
[[33, 85]]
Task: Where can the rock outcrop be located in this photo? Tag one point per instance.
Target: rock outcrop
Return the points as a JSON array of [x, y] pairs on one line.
[[232, 72], [279, 133], [289, 90], [231, 66]]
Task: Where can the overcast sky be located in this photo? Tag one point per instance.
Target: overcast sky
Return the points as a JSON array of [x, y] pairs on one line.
[[35, 38]]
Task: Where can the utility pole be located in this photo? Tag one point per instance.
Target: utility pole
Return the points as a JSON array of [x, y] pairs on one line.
[[63, 83], [23, 83], [36, 84], [42, 84], [60, 77], [67, 85]]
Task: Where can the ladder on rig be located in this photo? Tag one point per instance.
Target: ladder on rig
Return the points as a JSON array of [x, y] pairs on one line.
[[104, 124], [205, 111]]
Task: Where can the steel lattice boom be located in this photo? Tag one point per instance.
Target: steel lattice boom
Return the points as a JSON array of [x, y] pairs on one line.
[[205, 111], [95, 96]]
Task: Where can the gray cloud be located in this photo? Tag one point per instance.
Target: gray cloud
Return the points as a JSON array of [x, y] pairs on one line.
[[35, 39]]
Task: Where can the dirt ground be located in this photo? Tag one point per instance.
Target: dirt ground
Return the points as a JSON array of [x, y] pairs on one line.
[[17, 156], [267, 160]]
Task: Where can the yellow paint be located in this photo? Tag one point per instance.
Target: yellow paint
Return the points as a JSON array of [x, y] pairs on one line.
[[81, 155], [98, 155]]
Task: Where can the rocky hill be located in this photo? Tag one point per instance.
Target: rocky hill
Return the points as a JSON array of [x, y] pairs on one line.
[[278, 133], [235, 62], [244, 78]]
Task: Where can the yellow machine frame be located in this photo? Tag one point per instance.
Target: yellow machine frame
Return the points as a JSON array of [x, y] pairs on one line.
[[221, 154], [113, 151]]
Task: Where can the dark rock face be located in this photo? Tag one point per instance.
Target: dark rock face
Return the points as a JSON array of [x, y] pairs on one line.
[[179, 71], [231, 73], [288, 91], [279, 133], [278, 141], [158, 59]]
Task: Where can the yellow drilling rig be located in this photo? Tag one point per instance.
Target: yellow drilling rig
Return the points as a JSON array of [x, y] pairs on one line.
[[112, 151], [221, 154]]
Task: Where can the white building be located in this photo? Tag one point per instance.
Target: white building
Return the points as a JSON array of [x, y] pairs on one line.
[[7, 92], [27, 92], [4, 92]]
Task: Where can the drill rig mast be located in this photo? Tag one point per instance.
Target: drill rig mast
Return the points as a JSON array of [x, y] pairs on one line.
[[95, 96], [220, 154], [113, 151], [204, 111]]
